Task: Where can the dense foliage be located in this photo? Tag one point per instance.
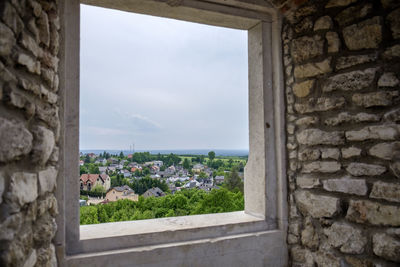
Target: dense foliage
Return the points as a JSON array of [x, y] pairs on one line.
[[186, 202]]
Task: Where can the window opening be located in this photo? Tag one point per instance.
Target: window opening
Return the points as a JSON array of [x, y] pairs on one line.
[[163, 115]]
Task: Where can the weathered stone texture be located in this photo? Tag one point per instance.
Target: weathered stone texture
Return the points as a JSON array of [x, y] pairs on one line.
[[353, 13], [307, 47], [380, 98], [16, 140], [349, 239], [386, 247], [316, 205], [29, 41], [360, 169], [343, 132], [333, 42], [394, 20], [303, 89], [318, 137], [23, 187], [387, 191], [351, 152], [388, 79], [386, 151], [320, 104], [364, 211], [350, 61], [366, 34], [350, 81], [346, 185], [312, 69], [321, 166], [380, 132]]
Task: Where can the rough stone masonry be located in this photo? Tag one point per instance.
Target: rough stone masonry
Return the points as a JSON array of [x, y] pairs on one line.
[[29, 131], [342, 76]]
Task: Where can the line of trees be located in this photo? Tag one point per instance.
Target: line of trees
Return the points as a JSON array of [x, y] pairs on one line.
[[185, 202]]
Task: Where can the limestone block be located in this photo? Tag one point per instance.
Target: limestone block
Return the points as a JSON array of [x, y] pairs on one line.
[[43, 144], [20, 101], [11, 18], [330, 153], [375, 99], [306, 47], [346, 185], [31, 260], [317, 206], [32, 27], [304, 88], [16, 140], [365, 211], [339, 3], [312, 69], [392, 52], [351, 81], [385, 150], [320, 104], [36, 8], [307, 121], [353, 13], [386, 247], [387, 191], [30, 44], [349, 152], [7, 40], [394, 21], [10, 226], [49, 114], [322, 166], [326, 259], [44, 230], [323, 23], [319, 137], [44, 29], [345, 117], [302, 255], [379, 132], [395, 168], [47, 180], [23, 187], [309, 237], [49, 204], [309, 154], [346, 237], [30, 63], [308, 182], [333, 42], [392, 116], [361, 169], [349, 61], [388, 79], [364, 35], [304, 25]]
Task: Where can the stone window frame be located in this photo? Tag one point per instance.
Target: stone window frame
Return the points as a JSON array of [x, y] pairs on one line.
[[264, 220]]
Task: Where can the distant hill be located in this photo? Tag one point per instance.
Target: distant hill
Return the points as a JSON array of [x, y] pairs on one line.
[[218, 152]]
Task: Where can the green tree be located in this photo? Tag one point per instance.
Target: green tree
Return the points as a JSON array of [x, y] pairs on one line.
[[211, 155], [186, 164], [233, 181], [98, 189]]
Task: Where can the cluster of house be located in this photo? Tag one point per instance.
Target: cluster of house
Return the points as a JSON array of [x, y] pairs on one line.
[[171, 175]]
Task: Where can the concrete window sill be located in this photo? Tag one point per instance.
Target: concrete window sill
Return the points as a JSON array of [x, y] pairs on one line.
[[129, 234]]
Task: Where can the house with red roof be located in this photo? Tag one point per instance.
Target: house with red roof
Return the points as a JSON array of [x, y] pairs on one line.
[[89, 181]]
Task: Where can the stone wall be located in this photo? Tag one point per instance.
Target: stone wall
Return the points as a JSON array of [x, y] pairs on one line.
[[29, 131], [342, 72]]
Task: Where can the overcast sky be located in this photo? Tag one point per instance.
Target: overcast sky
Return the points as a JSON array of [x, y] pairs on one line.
[[161, 83]]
